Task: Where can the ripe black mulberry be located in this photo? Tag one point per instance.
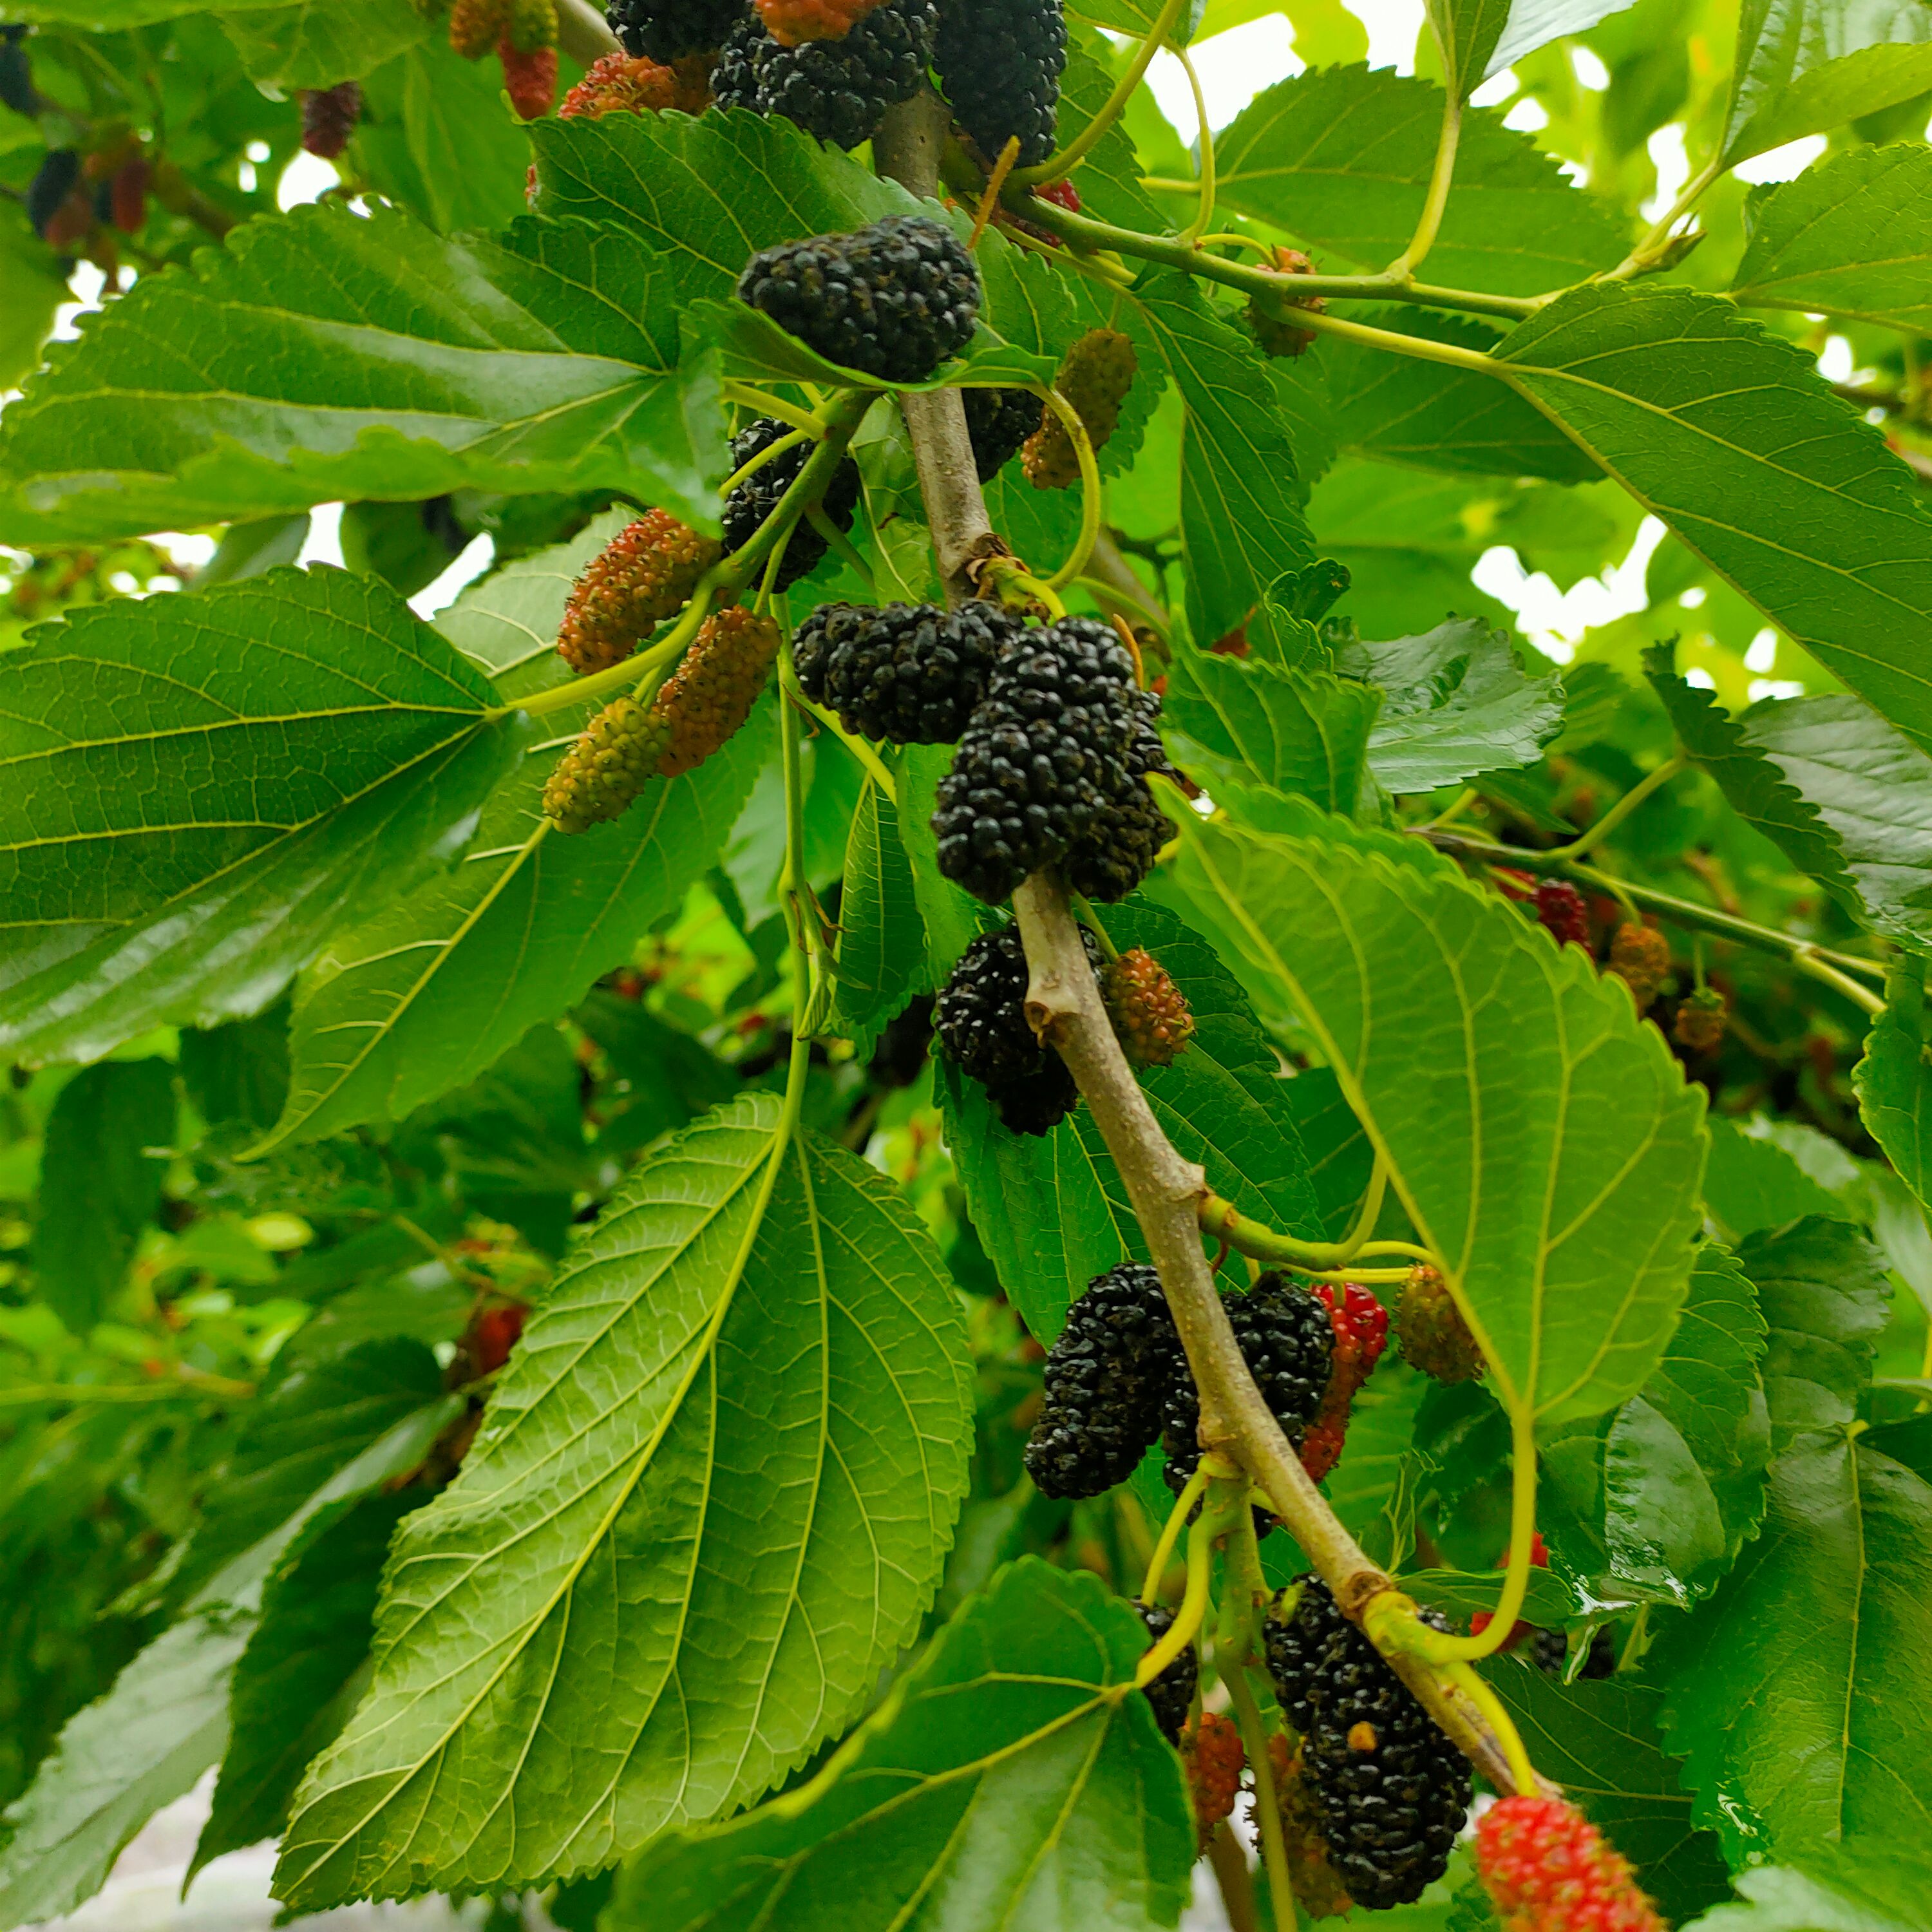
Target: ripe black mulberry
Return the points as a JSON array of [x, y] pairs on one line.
[[836, 90], [1172, 1694], [893, 300], [1388, 1790], [999, 61], [751, 502], [662, 30], [911, 673], [1105, 1376], [998, 421]]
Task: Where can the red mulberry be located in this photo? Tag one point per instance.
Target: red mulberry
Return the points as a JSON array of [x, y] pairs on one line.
[[1549, 1870], [646, 574]]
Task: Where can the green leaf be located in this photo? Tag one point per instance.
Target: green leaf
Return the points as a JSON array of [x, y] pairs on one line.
[[1551, 1602], [1240, 524], [1848, 237], [436, 137], [881, 938], [1302, 731], [1871, 787], [320, 42], [1342, 157], [1052, 1210], [1599, 1740], [1700, 415], [1455, 704], [423, 996], [1751, 1183], [108, 1145], [310, 1426], [1543, 1142], [326, 354], [951, 915], [1684, 1462], [165, 1721], [1801, 1692], [706, 195], [179, 845], [1822, 1289], [769, 1409], [1757, 790], [1804, 66], [1466, 34], [35, 288], [1535, 23], [1894, 1080], [1015, 1777], [118, 1763], [294, 1685], [1398, 409], [1873, 1884]]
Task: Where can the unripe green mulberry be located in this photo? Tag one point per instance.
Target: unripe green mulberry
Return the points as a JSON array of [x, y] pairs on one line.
[[1434, 1336], [1150, 1013], [646, 574], [712, 692], [618, 754], [1095, 378], [531, 26], [1640, 957]]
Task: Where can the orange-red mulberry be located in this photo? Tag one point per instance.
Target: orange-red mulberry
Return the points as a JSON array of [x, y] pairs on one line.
[[1549, 1870], [646, 574], [1150, 1014]]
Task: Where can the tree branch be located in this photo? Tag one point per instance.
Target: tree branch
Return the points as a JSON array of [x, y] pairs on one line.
[[581, 32], [1063, 1004]]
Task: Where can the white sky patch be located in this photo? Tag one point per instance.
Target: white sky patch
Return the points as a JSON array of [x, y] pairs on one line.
[[1554, 620], [468, 565], [1781, 163], [87, 282], [1589, 71], [1234, 67], [306, 179], [1672, 161], [1834, 360], [323, 543], [1761, 652], [1494, 91], [190, 549], [1761, 688], [1529, 116]]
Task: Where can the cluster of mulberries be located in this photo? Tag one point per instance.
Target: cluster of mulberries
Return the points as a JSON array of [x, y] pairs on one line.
[[1000, 62], [1640, 957], [667, 30], [524, 34], [1434, 1336], [328, 118], [1285, 1339], [911, 673], [1106, 1386], [646, 574], [1172, 1693], [1277, 335], [836, 90], [697, 710], [1387, 1790], [1117, 1377], [1150, 1016], [998, 422], [1548, 1869], [598, 777], [622, 83], [980, 1018], [1550, 1652], [1095, 377], [748, 505], [892, 300], [1360, 1323], [1050, 769]]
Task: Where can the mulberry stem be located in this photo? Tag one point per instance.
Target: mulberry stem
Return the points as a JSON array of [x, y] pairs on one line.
[[1464, 1677], [1221, 1219], [1170, 1534], [1594, 834], [1211, 1522], [1205, 141], [1268, 1808], [1063, 1003]]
